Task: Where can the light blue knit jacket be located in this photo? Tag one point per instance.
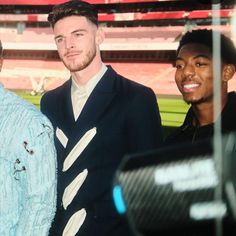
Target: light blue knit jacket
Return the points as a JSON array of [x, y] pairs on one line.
[[27, 168]]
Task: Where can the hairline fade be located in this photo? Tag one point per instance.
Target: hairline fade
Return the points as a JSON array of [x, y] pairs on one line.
[[73, 8], [204, 37]]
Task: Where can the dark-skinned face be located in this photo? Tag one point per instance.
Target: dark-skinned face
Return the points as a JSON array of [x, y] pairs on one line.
[[194, 73]]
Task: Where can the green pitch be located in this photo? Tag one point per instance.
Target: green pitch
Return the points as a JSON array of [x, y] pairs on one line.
[[172, 110]]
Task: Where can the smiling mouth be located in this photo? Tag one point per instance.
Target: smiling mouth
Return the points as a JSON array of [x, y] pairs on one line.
[[190, 87]]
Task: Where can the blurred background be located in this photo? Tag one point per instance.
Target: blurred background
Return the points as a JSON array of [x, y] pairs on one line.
[[141, 38]]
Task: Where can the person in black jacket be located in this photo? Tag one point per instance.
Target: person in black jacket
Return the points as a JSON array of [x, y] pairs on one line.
[[99, 116], [195, 80]]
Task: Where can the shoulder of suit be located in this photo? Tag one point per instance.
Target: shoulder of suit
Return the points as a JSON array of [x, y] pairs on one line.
[[133, 84]]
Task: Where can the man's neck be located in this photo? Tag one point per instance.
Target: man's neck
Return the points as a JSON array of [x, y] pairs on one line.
[[82, 77], [204, 113]]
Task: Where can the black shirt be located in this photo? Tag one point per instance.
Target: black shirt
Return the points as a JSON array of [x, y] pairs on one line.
[[189, 133]]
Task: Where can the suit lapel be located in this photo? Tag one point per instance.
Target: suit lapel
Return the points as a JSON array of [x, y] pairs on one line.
[[66, 111], [97, 104]]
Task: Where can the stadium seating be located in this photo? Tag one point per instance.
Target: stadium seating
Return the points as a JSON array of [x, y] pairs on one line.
[[28, 41]]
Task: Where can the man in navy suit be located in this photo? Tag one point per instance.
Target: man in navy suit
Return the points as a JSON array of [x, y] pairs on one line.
[[98, 116]]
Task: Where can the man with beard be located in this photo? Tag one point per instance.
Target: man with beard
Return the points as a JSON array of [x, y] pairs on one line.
[[195, 81], [99, 116]]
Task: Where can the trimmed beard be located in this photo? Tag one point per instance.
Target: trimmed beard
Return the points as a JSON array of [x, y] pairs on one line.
[[74, 67]]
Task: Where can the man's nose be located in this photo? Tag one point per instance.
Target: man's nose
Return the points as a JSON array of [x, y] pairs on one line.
[[189, 70], [69, 43]]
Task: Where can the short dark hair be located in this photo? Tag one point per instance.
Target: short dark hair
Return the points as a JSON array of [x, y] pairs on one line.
[[204, 37], [73, 8]]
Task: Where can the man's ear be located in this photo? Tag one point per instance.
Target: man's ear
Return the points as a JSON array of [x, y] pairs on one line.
[[228, 72], [100, 36]]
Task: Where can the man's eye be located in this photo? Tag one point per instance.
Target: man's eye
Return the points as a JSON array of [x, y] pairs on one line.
[[178, 66], [59, 40], [77, 35], [199, 64]]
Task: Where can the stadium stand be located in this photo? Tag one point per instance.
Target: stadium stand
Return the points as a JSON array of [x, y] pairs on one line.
[[141, 38]]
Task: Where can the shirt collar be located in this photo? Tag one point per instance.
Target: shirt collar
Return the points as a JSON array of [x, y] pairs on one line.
[[90, 85]]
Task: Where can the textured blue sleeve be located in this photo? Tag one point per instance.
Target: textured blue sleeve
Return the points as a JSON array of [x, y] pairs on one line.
[[39, 184]]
